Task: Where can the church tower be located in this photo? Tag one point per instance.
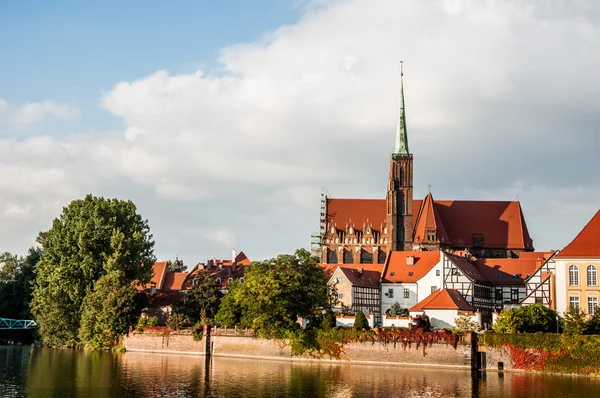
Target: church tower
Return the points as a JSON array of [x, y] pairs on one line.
[[399, 217]]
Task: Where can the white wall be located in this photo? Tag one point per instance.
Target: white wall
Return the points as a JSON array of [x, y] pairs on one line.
[[560, 285], [399, 322], [386, 302], [348, 320], [445, 318], [428, 280]]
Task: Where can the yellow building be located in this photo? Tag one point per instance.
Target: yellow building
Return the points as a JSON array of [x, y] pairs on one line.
[[577, 267]]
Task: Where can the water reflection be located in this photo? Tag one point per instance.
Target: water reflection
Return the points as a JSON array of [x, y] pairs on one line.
[[68, 373]]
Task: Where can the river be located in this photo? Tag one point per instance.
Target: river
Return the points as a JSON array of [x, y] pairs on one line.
[[45, 372]]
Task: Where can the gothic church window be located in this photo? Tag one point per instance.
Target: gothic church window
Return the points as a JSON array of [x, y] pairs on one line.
[[573, 275], [381, 257], [348, 257], [332, 257], [366, 257]]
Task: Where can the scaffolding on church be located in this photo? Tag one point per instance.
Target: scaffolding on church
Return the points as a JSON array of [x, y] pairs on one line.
[[316, 240]]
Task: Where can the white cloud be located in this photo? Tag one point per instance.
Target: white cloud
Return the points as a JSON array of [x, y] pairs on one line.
[[496, 92], [33, 112]]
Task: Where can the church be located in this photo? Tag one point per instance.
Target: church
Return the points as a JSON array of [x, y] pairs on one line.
[[365, 231]]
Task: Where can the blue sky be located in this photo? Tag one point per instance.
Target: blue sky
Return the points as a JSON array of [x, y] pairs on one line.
[[222, 121], [70, 51]]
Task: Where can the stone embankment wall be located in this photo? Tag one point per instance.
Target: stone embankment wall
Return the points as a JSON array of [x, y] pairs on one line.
[[439, 355]]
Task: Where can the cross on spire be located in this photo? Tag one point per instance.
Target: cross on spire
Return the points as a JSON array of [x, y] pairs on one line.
[[429, 186], [401, 136]]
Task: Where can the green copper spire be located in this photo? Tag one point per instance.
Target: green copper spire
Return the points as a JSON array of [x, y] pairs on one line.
[[401, 136]]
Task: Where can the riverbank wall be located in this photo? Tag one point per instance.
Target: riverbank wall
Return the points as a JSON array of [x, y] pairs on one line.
[[436, 355]]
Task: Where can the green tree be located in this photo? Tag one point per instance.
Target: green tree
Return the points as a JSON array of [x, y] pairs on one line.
[[574, 321], [276, 292], [202, 300], [396, 310], [509, 321], [360, 321], [16, 274], [230, 311], [108, 311], [537, 318], [592, 326], [465, 323], [90, 238]]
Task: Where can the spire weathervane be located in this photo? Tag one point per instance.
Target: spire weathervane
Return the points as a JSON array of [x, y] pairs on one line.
[[401, 136]]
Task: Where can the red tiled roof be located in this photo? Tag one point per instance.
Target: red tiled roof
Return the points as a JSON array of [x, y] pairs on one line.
[[364, 278], [242, 259], [586, 243], [467, 267], [446, 299], [159, 269], [174, 280], [162, 299], [501, 223], [397, 271], [508, 271], [428, 218]]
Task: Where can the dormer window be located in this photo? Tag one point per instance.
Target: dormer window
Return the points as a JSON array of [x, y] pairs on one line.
[[431, 235], [410, 274]]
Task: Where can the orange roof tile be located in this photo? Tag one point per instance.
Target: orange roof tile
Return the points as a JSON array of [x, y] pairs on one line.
[[159, 270], [586, 243], [428, 218], [397, 271], [501, 223], [507, 271], [174, 280], [446, 299], [242, 259]]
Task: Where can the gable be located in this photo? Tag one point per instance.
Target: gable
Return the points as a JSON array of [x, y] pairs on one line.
[[586, 243]]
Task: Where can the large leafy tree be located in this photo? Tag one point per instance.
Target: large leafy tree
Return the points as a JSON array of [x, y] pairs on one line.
[[91, 237], [108, 310], [528, 319], [275, 293], [202, 301], [16, 274]]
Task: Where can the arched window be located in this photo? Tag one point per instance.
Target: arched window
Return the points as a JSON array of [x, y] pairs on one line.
[[366, 257], [573, 275], [332, 257], [381, 257], [592, 276], [348, 259]]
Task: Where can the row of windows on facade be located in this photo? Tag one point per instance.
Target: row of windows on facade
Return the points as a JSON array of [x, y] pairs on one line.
[[592, 303], [365, 257], [592, 275], [354, 240]]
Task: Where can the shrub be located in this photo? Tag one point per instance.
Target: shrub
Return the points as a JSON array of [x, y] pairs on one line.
[[396, 310], [421, 322], [178, 321], [574, 321], [198, 331], [593, 325], [360, 321], [464, 323], [328, 321], [529, 319]]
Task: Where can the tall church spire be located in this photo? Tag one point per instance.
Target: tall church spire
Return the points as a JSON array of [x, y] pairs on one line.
[[401, 136]]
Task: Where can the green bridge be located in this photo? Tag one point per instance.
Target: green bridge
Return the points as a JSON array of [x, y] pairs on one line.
[[13, 324]]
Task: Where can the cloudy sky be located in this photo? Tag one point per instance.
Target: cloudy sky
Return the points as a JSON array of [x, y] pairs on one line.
[[223, 120]]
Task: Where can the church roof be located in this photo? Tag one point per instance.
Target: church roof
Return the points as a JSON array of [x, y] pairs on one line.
[[500, 223], [443, 299], [586, 243], [429, 218], [398, 270]]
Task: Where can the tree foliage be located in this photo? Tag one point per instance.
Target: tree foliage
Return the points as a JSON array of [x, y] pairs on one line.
[[360, 321], [573, 321], [16, 274], [275, 293], [108, 311], [527, 319], [91, 237], [465, 323], [396, 310], [202, 301]]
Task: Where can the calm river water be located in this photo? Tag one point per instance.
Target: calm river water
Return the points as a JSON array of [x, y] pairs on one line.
[[45, 372]]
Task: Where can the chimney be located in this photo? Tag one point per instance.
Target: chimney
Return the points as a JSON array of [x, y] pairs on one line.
[[233, 256], [410, 261]]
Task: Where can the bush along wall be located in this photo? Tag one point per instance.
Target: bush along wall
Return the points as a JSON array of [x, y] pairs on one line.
[[545, 352]]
